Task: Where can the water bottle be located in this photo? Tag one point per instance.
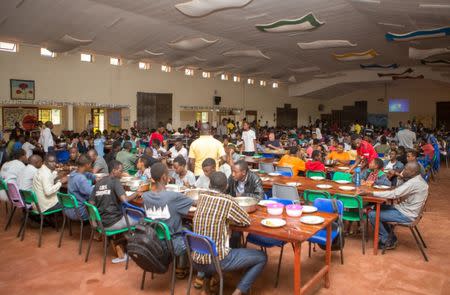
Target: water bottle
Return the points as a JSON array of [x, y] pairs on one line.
[[144, 178], [358, 176]]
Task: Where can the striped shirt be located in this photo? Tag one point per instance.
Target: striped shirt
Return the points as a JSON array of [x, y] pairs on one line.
[[215, 212]]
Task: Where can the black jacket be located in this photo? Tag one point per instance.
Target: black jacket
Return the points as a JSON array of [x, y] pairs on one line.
[[253, 187]]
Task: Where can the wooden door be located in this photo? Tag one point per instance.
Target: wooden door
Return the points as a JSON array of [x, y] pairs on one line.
[[153, 108], [286, 117]]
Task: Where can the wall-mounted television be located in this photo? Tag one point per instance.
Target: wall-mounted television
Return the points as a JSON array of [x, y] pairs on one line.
[[398, 105]]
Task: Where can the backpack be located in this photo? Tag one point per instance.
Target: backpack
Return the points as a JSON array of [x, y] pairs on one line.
[[148, 251]]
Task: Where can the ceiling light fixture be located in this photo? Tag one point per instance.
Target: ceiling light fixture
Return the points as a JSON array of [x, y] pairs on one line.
[[262, 83], [250, 81], [224, 77], [144, 65], [189, 72], [166, 69], [368, 1], [206, 75], [114, 61], [275, 85], [236, 79], [46, 52]]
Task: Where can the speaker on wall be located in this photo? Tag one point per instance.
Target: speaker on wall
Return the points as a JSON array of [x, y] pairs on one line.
[[217, 100]]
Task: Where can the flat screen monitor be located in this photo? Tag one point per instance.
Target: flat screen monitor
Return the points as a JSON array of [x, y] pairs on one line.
[[398, 105]]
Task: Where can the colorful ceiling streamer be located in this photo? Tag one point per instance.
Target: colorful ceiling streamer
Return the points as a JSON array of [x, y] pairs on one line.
[[407, 71], [408, 77], [246, 53], [419, 34], [304, 23], [435, 63], [319, 44], [198, 8], [371, 53], [378, 66], [415, 53], [191, 43]]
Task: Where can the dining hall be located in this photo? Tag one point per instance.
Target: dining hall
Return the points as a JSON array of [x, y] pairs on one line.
[[224, 147]]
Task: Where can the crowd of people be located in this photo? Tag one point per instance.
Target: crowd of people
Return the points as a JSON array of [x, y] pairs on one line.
[[212, 157]]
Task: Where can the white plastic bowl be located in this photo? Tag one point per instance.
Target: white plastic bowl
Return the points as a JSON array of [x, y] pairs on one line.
[[294, 210], [275, 209]]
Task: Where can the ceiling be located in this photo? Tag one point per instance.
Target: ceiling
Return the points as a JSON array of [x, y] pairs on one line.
[[127, 28]]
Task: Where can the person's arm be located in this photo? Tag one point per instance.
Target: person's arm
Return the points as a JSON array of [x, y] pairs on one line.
[[258, 191], [183, 204], [84, 186], [48, 185], [238, 216], [118, 188], [383, 180]]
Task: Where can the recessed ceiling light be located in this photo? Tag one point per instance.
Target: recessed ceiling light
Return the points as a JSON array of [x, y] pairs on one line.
[[275, 85], [437, 5]]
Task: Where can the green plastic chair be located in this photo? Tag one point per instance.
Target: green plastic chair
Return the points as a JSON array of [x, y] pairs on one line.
[[69, 201], [132, 172], [310, 195], [29, 197], [96, 225], [339, 175], [4, 187], [351, 203], [310, 173]]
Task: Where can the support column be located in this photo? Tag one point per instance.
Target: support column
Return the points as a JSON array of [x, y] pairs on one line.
[[70, 117]]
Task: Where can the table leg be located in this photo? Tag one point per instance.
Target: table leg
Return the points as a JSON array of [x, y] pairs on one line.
[[377, 228], [297, 267], [328, 256]]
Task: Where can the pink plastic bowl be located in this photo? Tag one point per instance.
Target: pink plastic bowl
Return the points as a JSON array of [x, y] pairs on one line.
[[275, 209], [294, 210]]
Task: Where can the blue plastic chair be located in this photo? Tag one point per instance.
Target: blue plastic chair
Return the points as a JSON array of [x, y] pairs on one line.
[[285, 171], [380, 155], [285, 202], [202, 245], [351, 162], [326, 205], [268, 156], [62, 156]]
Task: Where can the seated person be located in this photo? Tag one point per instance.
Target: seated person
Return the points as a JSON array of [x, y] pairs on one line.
[[80, 185], [393, 166], [339, 155], [182, 176], [401, 155], [215, 212], [98, 163], [126, 157], [148, 153], [412, 157], [412, 193], [158, 150], [293, 160], [314, 146], [427, 149], [316, 163], [178, 149], [12, 170], [107, 196], [243, 182], [25, 181], [143, 167], [73, 156], [383, 147], [45, 187], [273, 143], [208, 167], [169, 207], [374, 175]]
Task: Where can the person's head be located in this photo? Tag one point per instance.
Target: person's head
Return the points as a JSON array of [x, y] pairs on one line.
[[316, 155], [218, 181], [356, 139], [50, 161], [148, 151], [315, 142], [383, 139], [156, 144], [115, 146], [35, 160], [205, 129], [271, 136], [20, 155], [239, 170], [393, 155], [127, 146], [49, 124], [115, 169], [401, 150], [208, 166], [84, 163], [160, 173], [393, 145], [411, 156], [179, 164], [178, 144], [376, 164], [142, 163], [246, 125], [340, 147], [411, 170], [73, 153], [160, 128], [93, 154], [293, 150]]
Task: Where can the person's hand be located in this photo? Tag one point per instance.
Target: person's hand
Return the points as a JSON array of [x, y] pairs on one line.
[[361, 192], [64, 179], [186, 183]]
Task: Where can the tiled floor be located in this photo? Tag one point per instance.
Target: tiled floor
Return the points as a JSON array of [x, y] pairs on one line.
[[26, 269]]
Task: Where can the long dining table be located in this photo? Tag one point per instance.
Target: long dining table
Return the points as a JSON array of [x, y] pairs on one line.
[[304, 183]]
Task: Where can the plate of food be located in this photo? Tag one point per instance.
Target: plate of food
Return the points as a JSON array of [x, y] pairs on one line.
[[309, 209], [347, 188], [343, 168], [266, 202], [294, 183], [274, 174], [317, 177], [273, 222], [324, 186], [311, 219], [382, 186], [341, 181], [265, 178]]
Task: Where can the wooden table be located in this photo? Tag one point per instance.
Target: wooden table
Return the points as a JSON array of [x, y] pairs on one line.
[[309, 184], [255, 161]]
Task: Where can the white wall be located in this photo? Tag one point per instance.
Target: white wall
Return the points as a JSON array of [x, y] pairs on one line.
[[66, 78]]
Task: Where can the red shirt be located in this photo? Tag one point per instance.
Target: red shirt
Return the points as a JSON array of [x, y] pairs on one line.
[[366, 151], [156, 135], [315, 166], [428, 150]]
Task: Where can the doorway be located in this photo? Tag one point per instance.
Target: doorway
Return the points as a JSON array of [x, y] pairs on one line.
[[443, 114], [152, 109], [287, 117]]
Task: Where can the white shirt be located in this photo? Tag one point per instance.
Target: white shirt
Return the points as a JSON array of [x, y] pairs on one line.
[[248, 137], [202, 182], [226, 169], [47, 139], [169, 127], [25, 181], [318, 133], [11, 170], [175, 153], [45, 188], [406, 138], [28, 148]]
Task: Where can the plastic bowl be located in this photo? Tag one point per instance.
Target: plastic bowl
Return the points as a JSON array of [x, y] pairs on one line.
[[275, 209], [294, 210]]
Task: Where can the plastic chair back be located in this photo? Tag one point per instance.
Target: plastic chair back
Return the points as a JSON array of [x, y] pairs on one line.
[[285, 171], [311, 195], [62, 156], [350, 201], [94, 216], [351, 162], [200, 244], [68, 201], [29, 197], [14, 195], [339, 175], [268, 156], [326, 205], [3, 185], [283, 191], [266, 167], [310, 174], [132, 211], [285, 202]]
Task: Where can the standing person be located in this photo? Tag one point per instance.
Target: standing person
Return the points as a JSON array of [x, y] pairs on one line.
[[98, 163], [126, 157], [406, 137], [158, 134], [365, 152], [178, 149], [205, 147], [25, 181], [222, 130], [47, 138], [249, 138], [216, 211], [169, 126], [99, 144]]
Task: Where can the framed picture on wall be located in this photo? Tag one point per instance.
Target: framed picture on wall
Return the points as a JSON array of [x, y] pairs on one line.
[[22, 89], [26, 116]]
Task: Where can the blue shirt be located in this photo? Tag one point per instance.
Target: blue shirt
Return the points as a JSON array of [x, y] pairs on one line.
[[17, 146], [99, 145], [80, 185]]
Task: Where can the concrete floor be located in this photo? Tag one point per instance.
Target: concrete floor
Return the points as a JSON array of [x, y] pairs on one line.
[[26, 269]]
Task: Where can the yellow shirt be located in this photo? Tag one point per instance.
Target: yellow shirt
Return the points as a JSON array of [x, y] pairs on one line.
[[205, 147], [230, 126], [352, 154], [341, 157], [295, 163], [357, 128]]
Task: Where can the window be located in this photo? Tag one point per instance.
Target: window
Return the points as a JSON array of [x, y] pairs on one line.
[[262, 83], [236, 79], [46, 52], [166, 69], [99, 119], [115, 61], [8, 47], [275, 85], [53, 115], [250, 81], [86, 57], [189, 72], [144, 65], [202, 116], [224, 77], [206, 75]]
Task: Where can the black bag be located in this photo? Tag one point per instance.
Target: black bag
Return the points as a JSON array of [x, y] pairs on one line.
[[147, 250]]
